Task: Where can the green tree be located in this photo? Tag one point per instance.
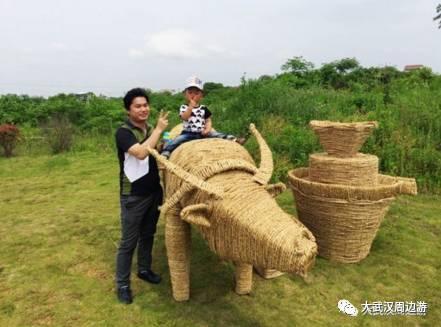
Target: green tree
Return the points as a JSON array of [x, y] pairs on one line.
[[298, 66], [211, 86], [438, 16], [336, 73], [346, 65]]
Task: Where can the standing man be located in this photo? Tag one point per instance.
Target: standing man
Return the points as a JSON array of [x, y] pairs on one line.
[[140, 191]]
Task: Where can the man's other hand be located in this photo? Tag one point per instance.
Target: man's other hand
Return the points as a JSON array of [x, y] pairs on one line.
[[162, 121]]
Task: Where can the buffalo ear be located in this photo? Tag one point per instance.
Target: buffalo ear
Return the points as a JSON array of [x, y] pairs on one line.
[[275, 189], [196, 214]]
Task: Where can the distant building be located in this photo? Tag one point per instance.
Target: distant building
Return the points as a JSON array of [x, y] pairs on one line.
[[409, 68], [84, 96]]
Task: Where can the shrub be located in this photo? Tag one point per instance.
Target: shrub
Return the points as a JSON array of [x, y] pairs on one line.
[[9, 136], [59, 133]]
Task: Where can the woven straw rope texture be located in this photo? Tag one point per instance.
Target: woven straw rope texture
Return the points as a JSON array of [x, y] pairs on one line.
[[359, 170], [343, 218], [242, 195], [342, 139]]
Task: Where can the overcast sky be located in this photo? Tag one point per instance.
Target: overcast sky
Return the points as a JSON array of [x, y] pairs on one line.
[[108, 47]]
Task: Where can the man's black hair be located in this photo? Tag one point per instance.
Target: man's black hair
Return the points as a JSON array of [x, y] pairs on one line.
[[132, 94]]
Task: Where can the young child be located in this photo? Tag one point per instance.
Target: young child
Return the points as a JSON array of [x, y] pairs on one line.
[[196, 119]]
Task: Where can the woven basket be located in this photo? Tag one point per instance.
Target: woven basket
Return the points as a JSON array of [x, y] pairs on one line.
[[362, 169], [342, 139], [407, 185], [344, 219]]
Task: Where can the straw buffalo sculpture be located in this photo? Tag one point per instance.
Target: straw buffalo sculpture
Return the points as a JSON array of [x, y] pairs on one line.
[[215, 185]]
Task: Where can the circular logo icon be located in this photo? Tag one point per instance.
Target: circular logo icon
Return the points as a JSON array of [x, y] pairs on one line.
[[346, 307]]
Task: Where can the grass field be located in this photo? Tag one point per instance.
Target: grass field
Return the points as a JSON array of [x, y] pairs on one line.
[[59, 230]]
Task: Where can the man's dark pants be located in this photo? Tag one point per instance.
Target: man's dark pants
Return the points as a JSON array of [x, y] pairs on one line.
[[139, 216]]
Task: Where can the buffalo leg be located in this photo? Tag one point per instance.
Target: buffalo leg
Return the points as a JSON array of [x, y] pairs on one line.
[[177, 241], [244, 278]]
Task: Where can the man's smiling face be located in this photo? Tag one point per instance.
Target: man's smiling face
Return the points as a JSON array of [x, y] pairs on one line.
[[139, 110]]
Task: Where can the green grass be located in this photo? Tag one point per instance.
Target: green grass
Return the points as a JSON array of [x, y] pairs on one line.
[[59, 229]]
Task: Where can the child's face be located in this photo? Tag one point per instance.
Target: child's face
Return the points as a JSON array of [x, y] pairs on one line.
[[194, 94]]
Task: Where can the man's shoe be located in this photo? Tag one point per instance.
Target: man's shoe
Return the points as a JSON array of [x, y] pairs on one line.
[[149, 276], [124, 295]]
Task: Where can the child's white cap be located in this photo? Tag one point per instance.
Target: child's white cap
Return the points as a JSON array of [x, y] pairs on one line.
[[194, 81]]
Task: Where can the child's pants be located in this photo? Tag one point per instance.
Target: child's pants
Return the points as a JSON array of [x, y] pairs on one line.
[[188, 136]]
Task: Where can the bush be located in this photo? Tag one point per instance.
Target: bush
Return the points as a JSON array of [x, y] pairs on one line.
[[407, 106], [9, 136], [59, 133]]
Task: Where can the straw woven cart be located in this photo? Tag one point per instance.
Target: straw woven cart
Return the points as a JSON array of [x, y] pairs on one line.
[[215, 185], [342, 199]]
